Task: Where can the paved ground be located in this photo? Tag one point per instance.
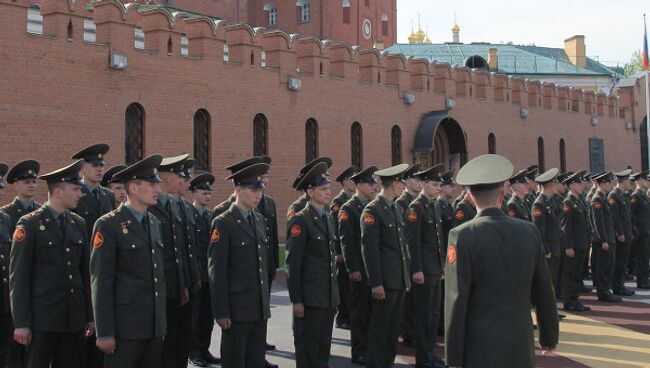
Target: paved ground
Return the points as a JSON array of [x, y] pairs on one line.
[[609, 336]]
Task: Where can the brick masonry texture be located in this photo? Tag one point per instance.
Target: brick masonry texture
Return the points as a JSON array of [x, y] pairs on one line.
[[58, 95]]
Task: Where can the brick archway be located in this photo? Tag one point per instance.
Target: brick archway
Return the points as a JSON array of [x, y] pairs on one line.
[[440, 139]]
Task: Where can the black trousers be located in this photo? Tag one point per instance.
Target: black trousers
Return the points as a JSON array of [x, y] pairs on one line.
[[312, 337], [407, 326], [554, 269], [360, 312], [642, 259], [426, 300], [343, 315], [59, 349], [135, 353], [384, 329], [6, 336], [242, 345], [171, 341], [91, 357], [572, 277], [622, 254], [186, 337], [603, 273], [202, 321]]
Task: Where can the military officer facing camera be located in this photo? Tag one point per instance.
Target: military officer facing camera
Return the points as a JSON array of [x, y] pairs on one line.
[[49, 281], [126, 268]]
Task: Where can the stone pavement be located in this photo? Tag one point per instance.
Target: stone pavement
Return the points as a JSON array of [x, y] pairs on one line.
[[609, 336]]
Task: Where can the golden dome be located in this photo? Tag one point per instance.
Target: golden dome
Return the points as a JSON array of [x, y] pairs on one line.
[[427, 41], [413, 38], [420, 33], [455, 28]]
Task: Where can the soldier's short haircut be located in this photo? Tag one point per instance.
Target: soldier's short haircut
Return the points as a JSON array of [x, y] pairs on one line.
[[486, 195], [52, 186]]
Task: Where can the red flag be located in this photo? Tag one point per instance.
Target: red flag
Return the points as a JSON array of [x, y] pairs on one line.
[[645, 45]]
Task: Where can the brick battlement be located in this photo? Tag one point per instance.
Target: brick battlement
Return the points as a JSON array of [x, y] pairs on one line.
[[293, 54]]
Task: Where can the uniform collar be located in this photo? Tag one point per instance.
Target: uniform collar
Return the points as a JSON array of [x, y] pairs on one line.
[[492, 211], [243, 213], [138, 215]]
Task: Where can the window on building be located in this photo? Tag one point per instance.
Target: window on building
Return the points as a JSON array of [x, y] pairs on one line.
[[311, 140], [273, 14], [263, 59], [226, 57], [384, 25], [366, 3], [260, 135], [356, 134], [304, 10], [540, 155], [476, 62], [396, 145], [492, 143], [139, 38], [34, 20], [185, 45], [90, 31], [134, 119], [346, 11], [202, 123], [562, 155], [70, 30]]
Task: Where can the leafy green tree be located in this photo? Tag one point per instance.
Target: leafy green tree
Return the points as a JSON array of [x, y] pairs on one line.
[[635, 64]]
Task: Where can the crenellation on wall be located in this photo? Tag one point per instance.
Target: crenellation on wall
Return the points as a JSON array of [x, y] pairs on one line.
[[613, 107], [501, 87], [601, 101], [550, 98], [279, 53], [589, 99], [443, 81], [420, 74], [564, 98], [577, 100], [344, 62], [370, 65], [482, 85], [534, 93], [519, 91], [398, 69], [206, 38], [463, 78], [312, 56]]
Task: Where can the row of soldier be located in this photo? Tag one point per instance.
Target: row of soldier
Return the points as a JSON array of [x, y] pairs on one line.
[[199, 271]]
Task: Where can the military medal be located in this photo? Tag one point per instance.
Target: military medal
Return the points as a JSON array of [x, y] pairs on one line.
[[41, 227], [124, 229]]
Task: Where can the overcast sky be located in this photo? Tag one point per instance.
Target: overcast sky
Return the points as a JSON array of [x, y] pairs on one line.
[[613, 29]]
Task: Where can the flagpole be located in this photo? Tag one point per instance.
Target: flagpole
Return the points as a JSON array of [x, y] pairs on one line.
[[647, 100]]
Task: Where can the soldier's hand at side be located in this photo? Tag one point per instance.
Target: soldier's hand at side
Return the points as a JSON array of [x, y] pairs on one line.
[[90, 329], [355, 276], [378, 293], [224, 323], [621, 238], [548, 255], [186, 296], [106, 345], [605, 246], [418, 278], [298, 310], [339, 258], [23, 335], [570, 252]]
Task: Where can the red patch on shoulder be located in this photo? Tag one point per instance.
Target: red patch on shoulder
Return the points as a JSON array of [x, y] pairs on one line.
[[566, 208], [451, 254], [19, 234], [368, 219], [459, 215], [98, 240], [412, 216], [612, 201], [215, 236], [512, 213], [343, 216], [295, 231], [537, 212], [597, 205], [291, 214]]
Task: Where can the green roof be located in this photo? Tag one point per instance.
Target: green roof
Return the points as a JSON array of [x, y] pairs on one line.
[[512, 59], [174, 11]]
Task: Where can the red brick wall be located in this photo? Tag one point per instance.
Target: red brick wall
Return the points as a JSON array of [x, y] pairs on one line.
[[57, 96]]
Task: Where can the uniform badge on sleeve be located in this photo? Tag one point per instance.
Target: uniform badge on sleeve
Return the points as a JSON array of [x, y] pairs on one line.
[[597, 205], [612, 201], [98, 240], [459, 215], [566, 208], [412, 216], [368, 219], [343, 216], [537, 212], [295, 231], [451, 254], [511, 213], [215, 236], [19, 234]]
